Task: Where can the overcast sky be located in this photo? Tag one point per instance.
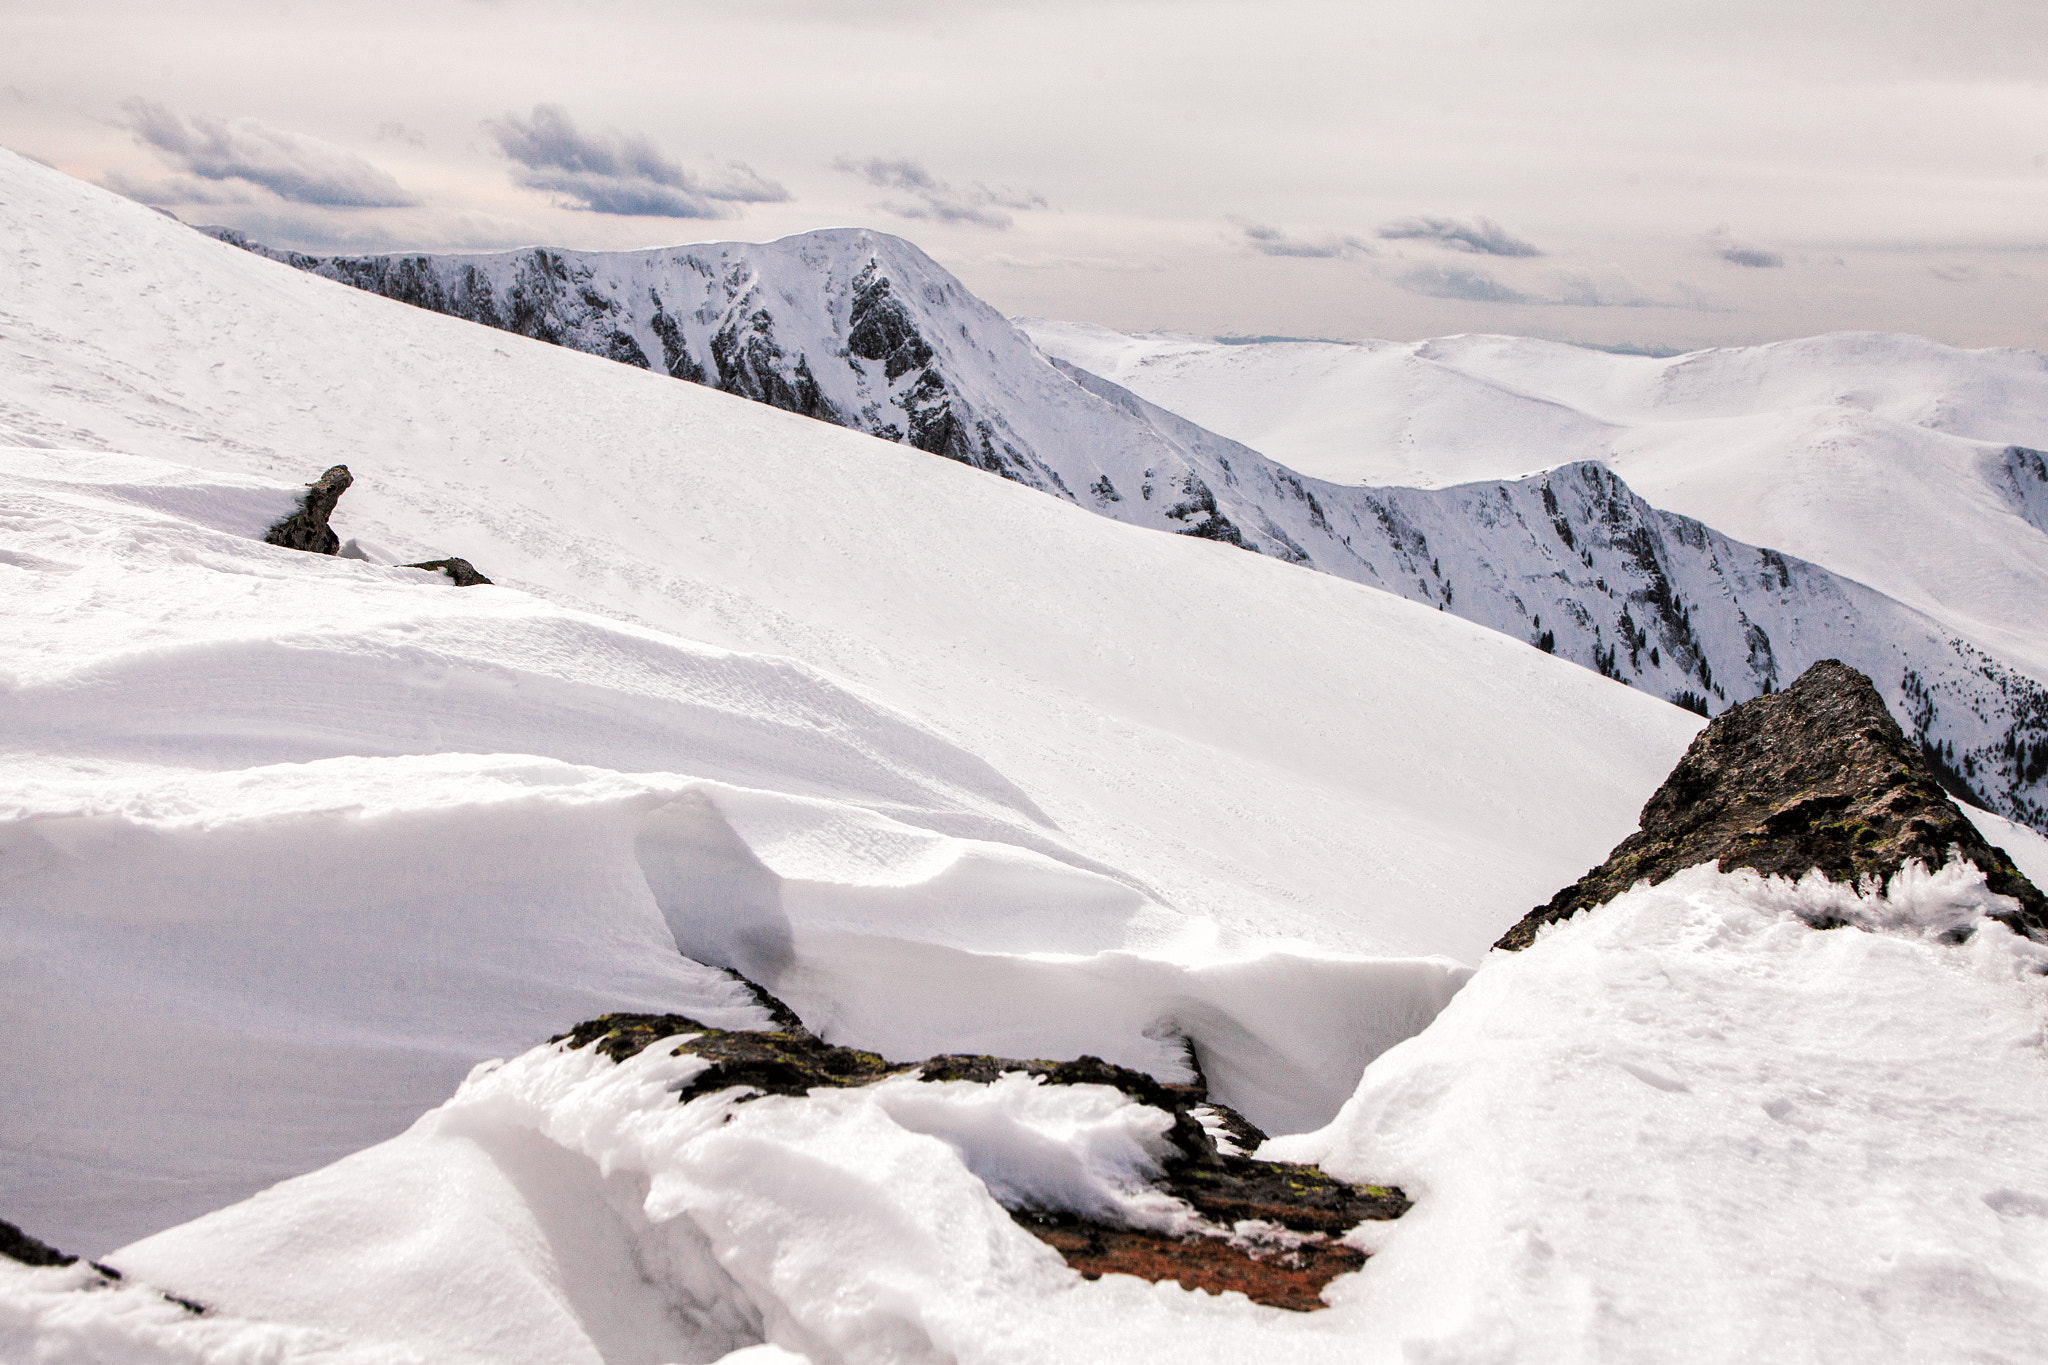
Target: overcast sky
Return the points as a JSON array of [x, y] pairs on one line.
[[1659, 173]]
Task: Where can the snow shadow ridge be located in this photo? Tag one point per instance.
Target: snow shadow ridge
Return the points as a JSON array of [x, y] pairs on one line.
[[1816, 778], [1267, 1229]]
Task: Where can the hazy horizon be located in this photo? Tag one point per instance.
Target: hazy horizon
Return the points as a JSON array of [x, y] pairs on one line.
[[1601, 175]]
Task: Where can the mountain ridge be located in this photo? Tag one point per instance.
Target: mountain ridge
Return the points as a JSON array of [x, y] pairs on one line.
[[861, 329]]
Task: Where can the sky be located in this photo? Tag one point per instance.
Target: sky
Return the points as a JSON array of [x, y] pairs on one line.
[[1654, 174]]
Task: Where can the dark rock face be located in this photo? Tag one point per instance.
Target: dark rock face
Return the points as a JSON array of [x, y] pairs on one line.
[[17, 1245], [461, 570], [307, 528], [1284, 1257], [1817, 777]]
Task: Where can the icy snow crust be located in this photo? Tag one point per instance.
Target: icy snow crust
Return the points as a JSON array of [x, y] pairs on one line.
[[1910, 467]]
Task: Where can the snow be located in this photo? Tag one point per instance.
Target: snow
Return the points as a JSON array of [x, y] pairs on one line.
[[1880, 457], [1827, 1138], [292, 848], [1686, 1126], [947, 764]]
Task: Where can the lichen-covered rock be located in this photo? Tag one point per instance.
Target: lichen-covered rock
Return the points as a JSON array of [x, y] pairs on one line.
[[1818, 777], [461, 570], [307, 528], [1273, 1226]]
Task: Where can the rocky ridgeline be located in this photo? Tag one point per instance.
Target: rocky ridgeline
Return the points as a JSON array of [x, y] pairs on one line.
[[1817, 778], [862, 330], [307, 529], [1242, 1200]]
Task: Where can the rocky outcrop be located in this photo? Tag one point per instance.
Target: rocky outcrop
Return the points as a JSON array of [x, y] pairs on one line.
[[17, 1245], [307, 528], [1271, 1228], [1816, 778], [461, 570]]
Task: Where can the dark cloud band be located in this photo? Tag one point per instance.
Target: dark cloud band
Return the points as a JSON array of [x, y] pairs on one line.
[[923, 196], [1480, 236], [291, 166], [620, 173]]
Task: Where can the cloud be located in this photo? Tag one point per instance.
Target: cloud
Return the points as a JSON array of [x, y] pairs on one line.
[[425, 229], [246, 153], [620, 173], [1459, 282], [1955, 273], [1735, 251], [1272, 241], [391, 130], [1480, 236], [1608, 289], [185, 189], [934, 200]]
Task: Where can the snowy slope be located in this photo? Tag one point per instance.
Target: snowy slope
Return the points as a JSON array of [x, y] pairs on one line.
[[873, 725], [1911, 467], [863, 330]]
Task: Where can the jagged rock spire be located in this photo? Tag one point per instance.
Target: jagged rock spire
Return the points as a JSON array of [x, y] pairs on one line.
[[1816, 777]]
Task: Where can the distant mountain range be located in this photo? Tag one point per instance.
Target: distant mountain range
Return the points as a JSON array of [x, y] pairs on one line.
[[863, 330]]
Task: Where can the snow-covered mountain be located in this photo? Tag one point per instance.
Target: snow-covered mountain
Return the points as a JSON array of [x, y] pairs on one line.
[[1909, 466], [863, 330], [304, 860], [913, 728]]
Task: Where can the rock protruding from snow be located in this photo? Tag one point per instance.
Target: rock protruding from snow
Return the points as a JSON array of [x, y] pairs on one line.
[[1268, 1230], [307, 528], [461, 570], [17, 1245], [1818, 777]]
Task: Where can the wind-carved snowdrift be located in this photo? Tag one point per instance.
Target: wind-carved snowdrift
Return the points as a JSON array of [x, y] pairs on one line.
[[863, 330], [1777, 1068]]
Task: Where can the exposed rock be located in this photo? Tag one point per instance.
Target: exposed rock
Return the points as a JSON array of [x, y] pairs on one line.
[[1818, 777], [307, 528], [1273, 1225], [461, 570], [17, 1245]]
